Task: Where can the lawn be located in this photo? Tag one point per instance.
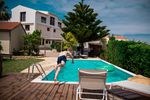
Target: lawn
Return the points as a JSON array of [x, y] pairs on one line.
[[17, 65]]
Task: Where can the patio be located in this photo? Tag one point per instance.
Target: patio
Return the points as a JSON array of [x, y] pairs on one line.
[[15, 86]]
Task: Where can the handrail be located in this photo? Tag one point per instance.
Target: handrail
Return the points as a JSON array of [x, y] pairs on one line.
[[33, 66]]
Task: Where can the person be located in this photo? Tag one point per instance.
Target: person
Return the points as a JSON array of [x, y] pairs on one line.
[[61, 61]]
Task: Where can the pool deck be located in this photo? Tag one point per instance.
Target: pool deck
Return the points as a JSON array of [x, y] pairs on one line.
[[15, 86]]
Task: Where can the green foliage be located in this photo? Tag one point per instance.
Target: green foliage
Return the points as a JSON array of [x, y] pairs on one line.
[[133, 56], [32, 42], [69, 41], [4, 15], [140, 57], [83, 24], [56, 45]]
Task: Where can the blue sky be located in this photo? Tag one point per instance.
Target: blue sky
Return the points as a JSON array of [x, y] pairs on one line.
[[120, 16]]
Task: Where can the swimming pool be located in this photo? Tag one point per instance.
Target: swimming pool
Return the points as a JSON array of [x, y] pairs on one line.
[[69, 73]]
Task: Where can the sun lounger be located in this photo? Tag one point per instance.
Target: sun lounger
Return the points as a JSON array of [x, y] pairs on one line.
[[84, 56], [133, 86], [92, 83]]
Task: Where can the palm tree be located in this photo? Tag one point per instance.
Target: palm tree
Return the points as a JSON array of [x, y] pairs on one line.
[[4, 15]]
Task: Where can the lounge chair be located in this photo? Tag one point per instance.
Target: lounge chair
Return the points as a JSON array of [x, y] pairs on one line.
[[92, 83], [84, 56], [133, 86]]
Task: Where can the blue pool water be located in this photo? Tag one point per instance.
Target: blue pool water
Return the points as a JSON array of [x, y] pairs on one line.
[[69, 73]]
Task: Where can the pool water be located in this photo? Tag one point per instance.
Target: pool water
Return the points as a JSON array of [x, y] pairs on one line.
[[69, 73]]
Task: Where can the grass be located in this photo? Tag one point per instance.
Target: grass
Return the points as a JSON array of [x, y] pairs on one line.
[[17, 65]]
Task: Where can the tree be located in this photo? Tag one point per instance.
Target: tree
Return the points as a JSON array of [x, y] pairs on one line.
[[56, 45], [32, 42], [4, 15], [69, 41], [82, 23]]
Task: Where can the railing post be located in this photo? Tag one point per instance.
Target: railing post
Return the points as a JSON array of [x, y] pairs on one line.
[[31, 70]]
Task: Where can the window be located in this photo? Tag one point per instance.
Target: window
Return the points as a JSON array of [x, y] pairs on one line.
[[47, 41], [43, 19], [54, 30], [48, 29], [52, 21], [22, 16], [27, 27], [59, 24], [42, 41]]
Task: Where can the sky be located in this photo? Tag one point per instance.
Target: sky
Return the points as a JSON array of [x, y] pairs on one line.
[[120, 16]]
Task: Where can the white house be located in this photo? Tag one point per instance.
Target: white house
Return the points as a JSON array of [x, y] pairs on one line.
[[32, 19]]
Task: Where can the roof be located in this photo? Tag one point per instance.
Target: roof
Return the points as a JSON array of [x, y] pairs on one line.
[[8, 25], [120, 37]]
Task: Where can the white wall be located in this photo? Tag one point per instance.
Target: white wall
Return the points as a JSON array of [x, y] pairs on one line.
[[43, 26], [38, 19], [4, 38], [17, 38], [49, 34], [30, 16], [32, 27]]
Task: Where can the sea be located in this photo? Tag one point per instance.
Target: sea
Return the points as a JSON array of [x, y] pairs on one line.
[[138, 37]]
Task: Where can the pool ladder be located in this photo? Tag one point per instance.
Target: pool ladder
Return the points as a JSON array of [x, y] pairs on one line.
[[32, 68]]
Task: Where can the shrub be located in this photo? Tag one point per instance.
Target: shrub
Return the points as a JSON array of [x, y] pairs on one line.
[[32, 42], [56, 45], [130, 55]]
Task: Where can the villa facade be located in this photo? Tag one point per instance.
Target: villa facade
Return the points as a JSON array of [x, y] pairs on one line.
[[47, 23]]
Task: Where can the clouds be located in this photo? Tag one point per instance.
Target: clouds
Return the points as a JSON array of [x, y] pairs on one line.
[[124, 16], [121, 16]]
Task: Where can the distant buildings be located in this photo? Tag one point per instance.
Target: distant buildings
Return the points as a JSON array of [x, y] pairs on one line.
[[11, 36], [120, 38], [31, 20]]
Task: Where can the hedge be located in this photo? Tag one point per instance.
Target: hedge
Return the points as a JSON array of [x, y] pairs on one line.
[[130, 55]]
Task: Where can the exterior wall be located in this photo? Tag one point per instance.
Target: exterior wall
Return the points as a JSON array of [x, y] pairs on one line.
[[49, 34], [43, 27], [17, 38], [30, 16], [4, 38], [32, 27], [38, 18]]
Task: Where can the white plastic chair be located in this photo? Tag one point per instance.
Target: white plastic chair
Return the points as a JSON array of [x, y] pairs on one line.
[[92, 80]]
